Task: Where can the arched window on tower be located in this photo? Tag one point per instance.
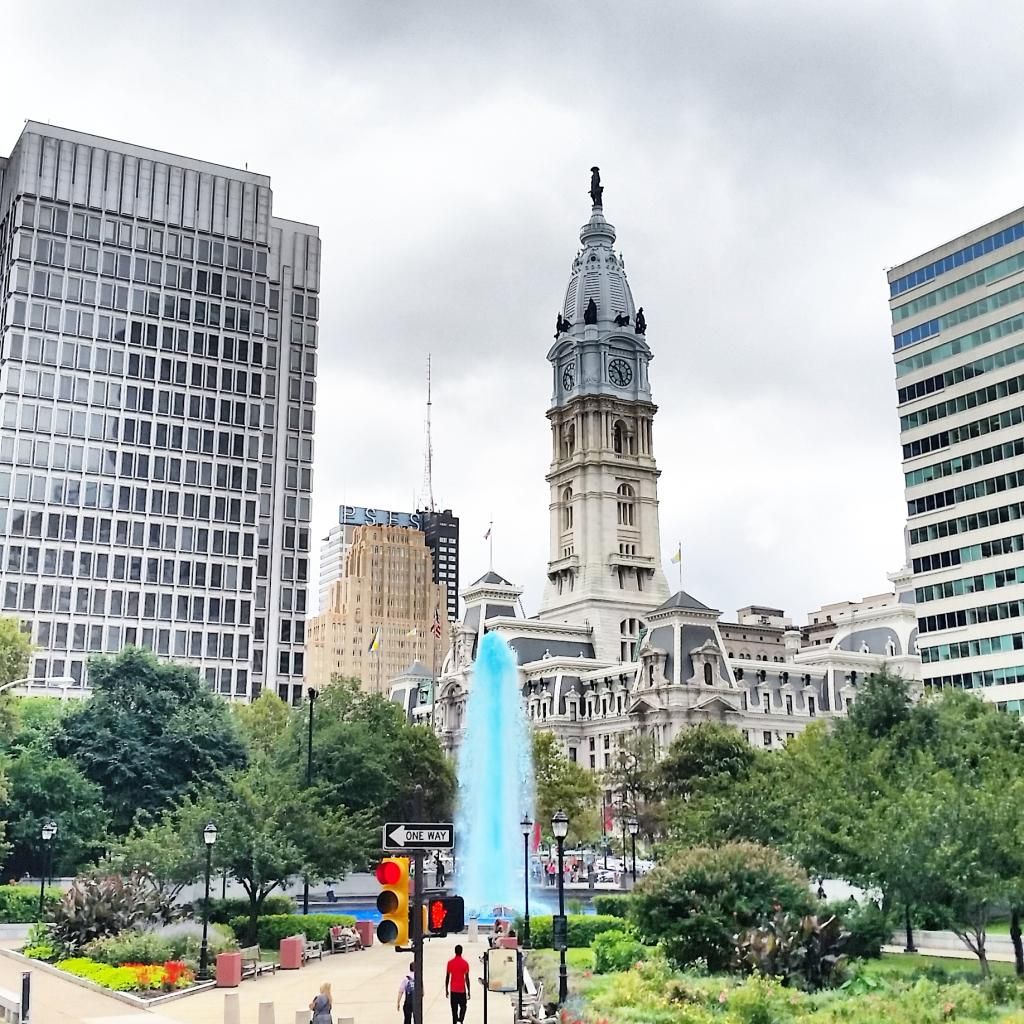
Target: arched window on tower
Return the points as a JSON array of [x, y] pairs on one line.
[[569, 440], [623, 439], [629, 638], [627, 506], [567, 508]]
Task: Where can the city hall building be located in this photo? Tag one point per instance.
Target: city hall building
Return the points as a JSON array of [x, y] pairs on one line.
[[612, 650]]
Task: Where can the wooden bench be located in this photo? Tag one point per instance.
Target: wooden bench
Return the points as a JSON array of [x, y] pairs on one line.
[[253, 964], [311, 950], [342, 940]]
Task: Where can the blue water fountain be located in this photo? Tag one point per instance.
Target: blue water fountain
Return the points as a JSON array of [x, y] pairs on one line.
[[495, 771]]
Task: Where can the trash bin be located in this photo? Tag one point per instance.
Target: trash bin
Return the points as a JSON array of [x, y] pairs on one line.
[[229, 970], [365, 929], [291, 953]]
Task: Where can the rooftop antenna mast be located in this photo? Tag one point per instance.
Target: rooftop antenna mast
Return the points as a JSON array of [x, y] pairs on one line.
[[428, 453]]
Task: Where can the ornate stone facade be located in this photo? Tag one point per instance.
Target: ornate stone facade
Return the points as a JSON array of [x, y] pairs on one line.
[[612, 651]]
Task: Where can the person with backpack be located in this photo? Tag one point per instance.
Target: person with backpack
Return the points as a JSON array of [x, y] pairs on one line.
[[406, 991]]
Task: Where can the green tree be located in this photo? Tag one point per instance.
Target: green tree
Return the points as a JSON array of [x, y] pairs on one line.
[[44, 788], [151, 734], [563, 785], [36, 724], [706, 756], [368, 757], [161, 853], [264, 724], [270, 829], [15, 651]]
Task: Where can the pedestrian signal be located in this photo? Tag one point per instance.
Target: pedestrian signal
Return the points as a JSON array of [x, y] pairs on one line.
[[445, 914], [393, 901]]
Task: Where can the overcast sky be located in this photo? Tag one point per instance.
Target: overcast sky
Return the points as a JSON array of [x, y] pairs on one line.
[[763, 164]]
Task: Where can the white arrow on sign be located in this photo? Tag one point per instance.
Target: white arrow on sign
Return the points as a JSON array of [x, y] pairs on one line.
[[403, 836]]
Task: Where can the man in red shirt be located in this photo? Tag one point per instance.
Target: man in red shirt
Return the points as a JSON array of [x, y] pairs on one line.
[[456, 985]]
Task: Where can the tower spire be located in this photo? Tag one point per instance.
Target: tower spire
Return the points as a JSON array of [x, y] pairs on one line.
[[428, 453]]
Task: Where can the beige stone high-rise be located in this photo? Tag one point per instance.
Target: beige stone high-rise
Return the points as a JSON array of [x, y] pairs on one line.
[[388, 587]]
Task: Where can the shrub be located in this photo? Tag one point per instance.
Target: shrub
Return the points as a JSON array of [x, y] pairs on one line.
[[130, 947], [615, 950], [869, 928], [801, 951], [581, 929], [760, 1000], [698, 899], [19, 904], [271, 930], [185, 939], [96, 907], [613, 904], [222, 911]]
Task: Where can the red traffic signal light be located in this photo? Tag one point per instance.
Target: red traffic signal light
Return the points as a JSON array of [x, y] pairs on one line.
[[393, 901], [389, 872], [446, 914]]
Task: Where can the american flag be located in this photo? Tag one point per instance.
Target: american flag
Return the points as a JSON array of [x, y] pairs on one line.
[[436, 627]]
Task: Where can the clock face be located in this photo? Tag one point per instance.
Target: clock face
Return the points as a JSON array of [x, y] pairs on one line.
[[620, 373], [569, 377]]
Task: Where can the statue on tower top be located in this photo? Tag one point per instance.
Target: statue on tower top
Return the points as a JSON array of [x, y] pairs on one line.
[[596, 188]]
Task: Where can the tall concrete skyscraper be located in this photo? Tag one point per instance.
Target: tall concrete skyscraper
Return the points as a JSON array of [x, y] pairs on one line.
[[159, 346], [958, 329]]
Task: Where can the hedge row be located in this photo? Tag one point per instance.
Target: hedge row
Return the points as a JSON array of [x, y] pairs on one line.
[[272, 929], [581, 929], [19, 904], [222, 911], [613, 904]]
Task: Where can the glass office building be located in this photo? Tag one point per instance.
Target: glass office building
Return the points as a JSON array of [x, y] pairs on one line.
[[958, 333], [158, 350]]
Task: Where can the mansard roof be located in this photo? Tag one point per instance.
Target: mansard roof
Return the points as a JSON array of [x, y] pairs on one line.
[[681, 599]]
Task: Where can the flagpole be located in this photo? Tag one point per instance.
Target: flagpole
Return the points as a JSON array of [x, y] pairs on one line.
[[679, 549], [490, 537]]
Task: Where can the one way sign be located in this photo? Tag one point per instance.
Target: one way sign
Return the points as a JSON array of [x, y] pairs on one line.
[[405, 836]]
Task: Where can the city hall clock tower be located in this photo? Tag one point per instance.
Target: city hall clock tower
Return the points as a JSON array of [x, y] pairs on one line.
[[605, 564]]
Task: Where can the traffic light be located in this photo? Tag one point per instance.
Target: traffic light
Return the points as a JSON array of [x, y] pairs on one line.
[[445, 914], [393, 901]]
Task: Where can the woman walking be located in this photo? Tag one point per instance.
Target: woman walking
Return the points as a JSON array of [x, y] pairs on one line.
[[321, 1005]]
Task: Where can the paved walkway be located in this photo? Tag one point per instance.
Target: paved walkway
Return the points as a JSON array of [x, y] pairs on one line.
[[365, 987], [55, 1001]]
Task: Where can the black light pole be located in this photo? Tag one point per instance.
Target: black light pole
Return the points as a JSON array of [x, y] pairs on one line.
[[209, 838], [49, 830], [527, 827], [312, 694], [604, 827], [634, 827], [560, 827]]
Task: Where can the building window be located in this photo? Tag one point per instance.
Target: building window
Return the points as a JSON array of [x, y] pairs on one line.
[[567, 508], [767, 738], [707, 673], [626, 505], [810, 707]]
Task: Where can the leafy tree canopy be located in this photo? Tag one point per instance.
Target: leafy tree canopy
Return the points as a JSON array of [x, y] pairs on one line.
[[151, 734], [44, 788], [563, 785], [368, 757], [705, 756]]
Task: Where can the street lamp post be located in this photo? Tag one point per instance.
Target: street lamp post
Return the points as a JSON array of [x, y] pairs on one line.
[[634, 827], [49, 830], [527, 827], [209, 838], [312, 694], [560, 827]]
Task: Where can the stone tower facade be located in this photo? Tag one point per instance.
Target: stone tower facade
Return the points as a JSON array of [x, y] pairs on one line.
[[605, 547]]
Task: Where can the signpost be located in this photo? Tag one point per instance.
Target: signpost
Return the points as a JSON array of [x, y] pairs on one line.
[[413, 839], [402, 836]]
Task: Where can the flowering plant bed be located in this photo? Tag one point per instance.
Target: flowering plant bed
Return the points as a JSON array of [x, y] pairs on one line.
[[140, 978]]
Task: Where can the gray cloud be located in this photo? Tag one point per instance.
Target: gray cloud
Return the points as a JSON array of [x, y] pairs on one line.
[[763, 164]]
